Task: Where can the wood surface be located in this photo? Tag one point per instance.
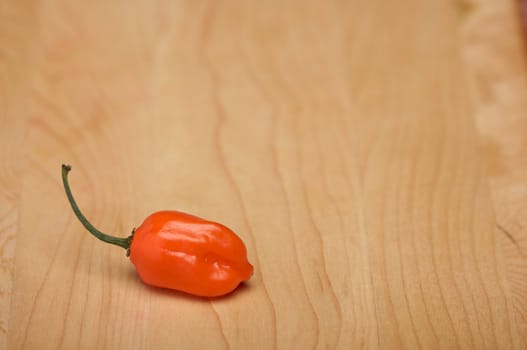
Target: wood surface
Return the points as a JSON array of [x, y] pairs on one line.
[[16, 27], [494, 50], [337, 139]]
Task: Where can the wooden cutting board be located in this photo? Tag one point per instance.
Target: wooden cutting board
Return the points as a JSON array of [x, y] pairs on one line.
[[337, 139]]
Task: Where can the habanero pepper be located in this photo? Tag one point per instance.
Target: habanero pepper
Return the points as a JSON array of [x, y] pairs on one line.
[[179, 251]]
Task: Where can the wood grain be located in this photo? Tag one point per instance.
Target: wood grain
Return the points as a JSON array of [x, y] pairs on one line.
[[337, 140], [494, 50], [15, 68]]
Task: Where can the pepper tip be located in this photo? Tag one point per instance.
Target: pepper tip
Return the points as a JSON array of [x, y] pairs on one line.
[[66, 167]]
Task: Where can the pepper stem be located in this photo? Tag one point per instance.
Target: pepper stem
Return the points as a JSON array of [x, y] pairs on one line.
[[121, 242]]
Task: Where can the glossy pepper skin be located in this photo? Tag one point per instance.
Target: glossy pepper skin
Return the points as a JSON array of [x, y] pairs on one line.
[[180, 251]]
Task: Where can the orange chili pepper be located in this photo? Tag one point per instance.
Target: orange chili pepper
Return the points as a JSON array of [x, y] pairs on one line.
[[179, 251]]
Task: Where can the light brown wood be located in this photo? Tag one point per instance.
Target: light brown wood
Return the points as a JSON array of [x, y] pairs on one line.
[[494, 50], [15, 66], [336, 139]]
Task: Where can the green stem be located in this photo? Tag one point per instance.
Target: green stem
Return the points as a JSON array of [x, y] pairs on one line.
[[121, 242]]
